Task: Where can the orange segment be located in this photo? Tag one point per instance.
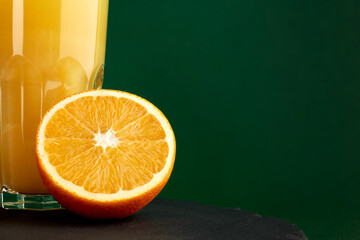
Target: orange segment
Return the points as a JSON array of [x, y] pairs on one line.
[[150, 155], [144, 128], [103, 177], [76, 170], [110, 150], [63, 124], [107, 111], [84, 110], [128, 112], [60, 150]]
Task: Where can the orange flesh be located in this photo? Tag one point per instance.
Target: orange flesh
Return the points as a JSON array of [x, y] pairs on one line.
[[135, 148]]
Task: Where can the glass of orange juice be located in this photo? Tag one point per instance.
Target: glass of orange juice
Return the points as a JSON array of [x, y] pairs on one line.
[[48, 50]]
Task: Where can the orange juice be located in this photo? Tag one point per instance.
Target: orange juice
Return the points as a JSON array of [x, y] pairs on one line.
[[48, 50]]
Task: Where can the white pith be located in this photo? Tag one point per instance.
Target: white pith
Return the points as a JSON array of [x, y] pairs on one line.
[[107, 140]]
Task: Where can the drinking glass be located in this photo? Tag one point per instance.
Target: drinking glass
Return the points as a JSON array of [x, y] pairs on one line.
[[49, 49]]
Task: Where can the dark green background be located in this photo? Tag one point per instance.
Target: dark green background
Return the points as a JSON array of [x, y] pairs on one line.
[[263, 97]]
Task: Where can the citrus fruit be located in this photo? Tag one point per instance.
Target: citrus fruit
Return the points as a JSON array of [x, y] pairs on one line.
[[105, 153]]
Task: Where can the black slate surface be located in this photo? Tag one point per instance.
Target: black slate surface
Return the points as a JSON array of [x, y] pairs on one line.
[[161, 219]]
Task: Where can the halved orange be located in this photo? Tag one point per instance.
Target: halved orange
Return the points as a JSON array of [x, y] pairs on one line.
[[105, 153]]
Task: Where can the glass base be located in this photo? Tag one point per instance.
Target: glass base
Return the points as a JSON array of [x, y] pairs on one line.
[[10, 199]]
